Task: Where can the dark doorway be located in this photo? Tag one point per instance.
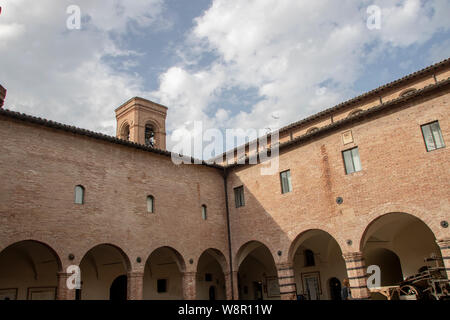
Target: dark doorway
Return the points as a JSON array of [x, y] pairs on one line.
[[258, 290], [335, 289], [118, 290], [212, 293]]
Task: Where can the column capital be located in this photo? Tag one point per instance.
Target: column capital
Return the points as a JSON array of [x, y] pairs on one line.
[[443, 243], [135, 274], [353, 256], [284, 266]]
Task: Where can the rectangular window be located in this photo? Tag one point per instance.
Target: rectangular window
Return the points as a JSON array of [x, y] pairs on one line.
[[161, 285], [432, 136], [351, 160], [239, 196], [286, 185]]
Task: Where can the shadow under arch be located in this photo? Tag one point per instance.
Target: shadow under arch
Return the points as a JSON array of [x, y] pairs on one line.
[[211, 268], [257, 273], [408, 237], [377, 223], [302, 237], [100, 266], [163, 274], [28, 264], [316, 257]]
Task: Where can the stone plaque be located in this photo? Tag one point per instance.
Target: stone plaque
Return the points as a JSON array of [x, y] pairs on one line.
[[347, 137]]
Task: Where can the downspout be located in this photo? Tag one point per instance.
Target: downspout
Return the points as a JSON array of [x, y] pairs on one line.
[[228, 231]]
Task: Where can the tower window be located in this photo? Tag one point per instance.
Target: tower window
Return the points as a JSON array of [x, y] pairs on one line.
[[125, 134], [239, 196], [432, 136], [204, 214], [309, 258], [286, 184], [150, 204], [351, 160], [149, 135], [79, 194]]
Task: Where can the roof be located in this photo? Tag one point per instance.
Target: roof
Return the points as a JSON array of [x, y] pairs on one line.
[[95, 135], [372, 93], [357, 117]]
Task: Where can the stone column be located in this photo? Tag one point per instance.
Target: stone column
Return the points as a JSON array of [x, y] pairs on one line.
[[444, 245], [189, 285], [357, 275], [231, 291], [135, 285], [64, 293], [286, 280]]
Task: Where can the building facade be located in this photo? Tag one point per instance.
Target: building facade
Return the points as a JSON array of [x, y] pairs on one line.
[[363, 183]]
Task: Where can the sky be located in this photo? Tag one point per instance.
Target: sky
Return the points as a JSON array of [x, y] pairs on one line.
[[228, 64]]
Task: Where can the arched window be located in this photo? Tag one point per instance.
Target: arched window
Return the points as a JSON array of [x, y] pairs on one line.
[[204, 213], [150, 204], [79, 194], [355, 112], [149, 135], [309, 258], [125, 134], [311, 130], [407, 91]]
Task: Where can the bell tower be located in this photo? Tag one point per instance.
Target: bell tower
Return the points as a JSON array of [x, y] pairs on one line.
[[142, 121]]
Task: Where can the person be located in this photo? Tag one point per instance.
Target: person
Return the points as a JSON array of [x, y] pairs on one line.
[[345, 291]]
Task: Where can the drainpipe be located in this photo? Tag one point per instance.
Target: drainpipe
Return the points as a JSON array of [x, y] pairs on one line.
[[228, 231]]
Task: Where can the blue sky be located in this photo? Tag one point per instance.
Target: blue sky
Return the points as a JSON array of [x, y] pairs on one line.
[[228, 63]]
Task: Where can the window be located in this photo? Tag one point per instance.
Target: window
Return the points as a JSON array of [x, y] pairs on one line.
[[312, 130], [286, 185], [355, 112], [150, 204], [309, 258], [433, 136], [79, 194], [149, 135], [351, 160], [239, 196], [204, 212], [161, 285], [125, 134]]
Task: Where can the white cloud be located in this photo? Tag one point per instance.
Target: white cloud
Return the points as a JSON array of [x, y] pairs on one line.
[[61, 74], [301, 56]]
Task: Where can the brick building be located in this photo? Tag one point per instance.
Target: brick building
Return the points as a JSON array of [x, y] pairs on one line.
[[363, 183]]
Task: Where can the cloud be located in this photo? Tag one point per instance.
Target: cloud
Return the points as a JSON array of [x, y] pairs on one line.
[[61, 74], [300, 56]]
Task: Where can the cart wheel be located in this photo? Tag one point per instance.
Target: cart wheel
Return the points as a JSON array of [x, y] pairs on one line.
[[408, 292]]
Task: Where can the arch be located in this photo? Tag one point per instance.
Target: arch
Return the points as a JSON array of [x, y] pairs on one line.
[[377, 219], [163, 274], [79, 194], [53, 251], [403, 236], [312, 130], [124, 132], [218, 256], [303, 236], [120, 251], [407, 91], [118, 289], [174, 254], [355, 112], [211, 269], [100, 267], [316, 257], [29, 263], [245, 249], [256, 270]]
